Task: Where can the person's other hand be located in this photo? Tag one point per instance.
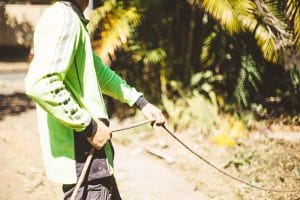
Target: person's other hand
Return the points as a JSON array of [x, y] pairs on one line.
[[101, 137], [151, 111]]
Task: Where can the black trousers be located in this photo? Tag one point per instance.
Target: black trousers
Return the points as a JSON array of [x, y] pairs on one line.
[[100, 189]]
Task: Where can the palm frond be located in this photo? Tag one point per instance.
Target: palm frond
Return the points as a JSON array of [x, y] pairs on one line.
[[99, 14], [260, 18], [265, 38], [214, 41], [227, 12], [154, 56], [248, 79], [115, 28], [293, 13], [276, 24]]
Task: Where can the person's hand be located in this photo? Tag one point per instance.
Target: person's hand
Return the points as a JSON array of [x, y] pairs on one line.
[[101, 137], [151, 111]]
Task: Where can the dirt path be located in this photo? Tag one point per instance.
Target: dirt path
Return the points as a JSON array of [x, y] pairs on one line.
[[143, 178], [21, 162], [139, 176], [270, 159]]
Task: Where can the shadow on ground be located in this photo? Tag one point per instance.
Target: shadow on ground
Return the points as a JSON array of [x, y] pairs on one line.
[[14, 104]]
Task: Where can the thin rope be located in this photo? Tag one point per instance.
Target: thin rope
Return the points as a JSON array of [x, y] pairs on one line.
[[224, 172], [92, 152]]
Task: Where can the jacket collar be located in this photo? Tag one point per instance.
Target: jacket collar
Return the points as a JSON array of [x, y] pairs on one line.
[[76, 9]]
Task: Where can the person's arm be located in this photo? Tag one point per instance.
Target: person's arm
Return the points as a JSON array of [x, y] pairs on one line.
[[55, 45], [113, 85]]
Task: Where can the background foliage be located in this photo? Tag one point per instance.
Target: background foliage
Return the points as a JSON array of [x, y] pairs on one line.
[[204, 56]]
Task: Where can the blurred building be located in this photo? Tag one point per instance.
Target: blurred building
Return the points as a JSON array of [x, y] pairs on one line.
[[17, 22], [18, 19]]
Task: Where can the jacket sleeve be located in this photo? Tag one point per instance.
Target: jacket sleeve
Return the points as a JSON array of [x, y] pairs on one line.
[[55, 44], [113, 85]]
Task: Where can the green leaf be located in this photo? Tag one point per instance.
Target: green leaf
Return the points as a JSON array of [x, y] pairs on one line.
[[116, 25]]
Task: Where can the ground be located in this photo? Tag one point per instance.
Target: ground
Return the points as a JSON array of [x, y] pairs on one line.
[[269, 158]]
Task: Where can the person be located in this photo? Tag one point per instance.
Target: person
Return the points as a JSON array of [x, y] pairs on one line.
[[67, 79]]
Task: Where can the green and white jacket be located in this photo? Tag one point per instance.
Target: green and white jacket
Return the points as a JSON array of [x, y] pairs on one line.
[[67, 80]]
